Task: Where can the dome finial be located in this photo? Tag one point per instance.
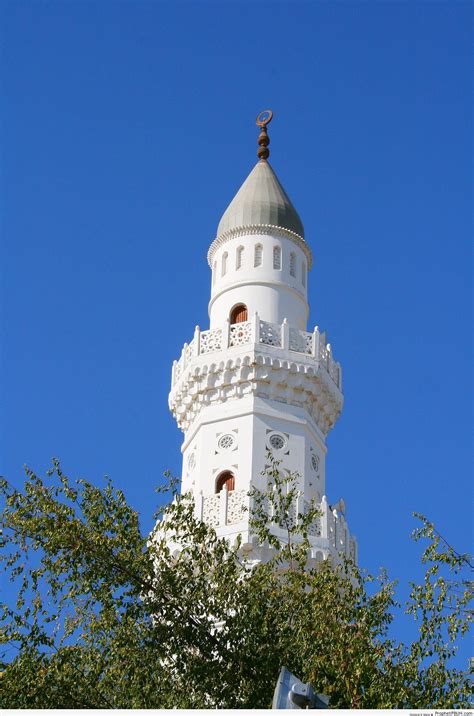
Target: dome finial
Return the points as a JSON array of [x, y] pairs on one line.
[[263, 140]]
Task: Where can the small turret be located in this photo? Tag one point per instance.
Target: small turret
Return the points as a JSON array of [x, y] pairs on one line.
[[259, 258]]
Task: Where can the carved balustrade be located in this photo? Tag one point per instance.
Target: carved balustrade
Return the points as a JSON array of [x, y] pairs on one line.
[[259, 333], [231, 508], [225, 508]]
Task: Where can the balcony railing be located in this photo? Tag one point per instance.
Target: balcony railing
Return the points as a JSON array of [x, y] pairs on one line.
[[232, 508], [225, 508], [259, 333]]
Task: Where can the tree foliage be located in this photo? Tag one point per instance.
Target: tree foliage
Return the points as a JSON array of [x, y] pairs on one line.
[[106, 617]]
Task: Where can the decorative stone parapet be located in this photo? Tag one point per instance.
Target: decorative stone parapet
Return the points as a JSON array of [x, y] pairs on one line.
[[270, 361], [258, 332], [251, 230], [328, 532], [225, 508]]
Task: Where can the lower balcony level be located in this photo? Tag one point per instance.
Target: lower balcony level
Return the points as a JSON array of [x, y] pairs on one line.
[[228, 512]]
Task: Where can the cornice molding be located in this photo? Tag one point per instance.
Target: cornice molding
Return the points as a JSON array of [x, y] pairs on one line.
[[262, 375], [253, 229]]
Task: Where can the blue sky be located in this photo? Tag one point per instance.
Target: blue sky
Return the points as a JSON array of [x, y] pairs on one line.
[[127, 129]]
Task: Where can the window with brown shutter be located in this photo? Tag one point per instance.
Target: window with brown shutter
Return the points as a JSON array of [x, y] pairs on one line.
[[226, 480], [239, 314]]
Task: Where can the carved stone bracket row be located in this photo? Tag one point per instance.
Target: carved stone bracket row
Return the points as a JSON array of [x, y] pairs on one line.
[[261, 375]]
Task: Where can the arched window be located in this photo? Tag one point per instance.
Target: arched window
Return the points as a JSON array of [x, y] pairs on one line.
[[239, 314], [292, 264], [276, 257], [303, 274], [226, 480], [224, 263], [258, 255], [214, 273], [238, 257]]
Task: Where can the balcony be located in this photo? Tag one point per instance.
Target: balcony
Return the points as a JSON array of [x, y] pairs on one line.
[[231, 509], [259, 333]]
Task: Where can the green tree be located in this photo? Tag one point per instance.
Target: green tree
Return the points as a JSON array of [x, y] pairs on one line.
[[106, 617]]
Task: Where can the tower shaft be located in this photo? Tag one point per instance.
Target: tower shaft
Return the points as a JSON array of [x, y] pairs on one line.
[[257, 383]]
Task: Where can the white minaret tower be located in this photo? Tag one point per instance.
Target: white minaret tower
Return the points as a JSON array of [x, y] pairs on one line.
[[257, 380]]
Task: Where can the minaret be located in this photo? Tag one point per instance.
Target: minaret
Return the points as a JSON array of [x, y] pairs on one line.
[[257, 379]]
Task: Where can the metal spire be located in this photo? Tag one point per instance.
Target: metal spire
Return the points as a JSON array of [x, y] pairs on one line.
[[263, 141]]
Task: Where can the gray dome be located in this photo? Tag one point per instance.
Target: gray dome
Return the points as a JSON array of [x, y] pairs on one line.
[[261, 200]]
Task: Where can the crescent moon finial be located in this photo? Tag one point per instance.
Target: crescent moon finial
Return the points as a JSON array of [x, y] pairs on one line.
[[263, 118]]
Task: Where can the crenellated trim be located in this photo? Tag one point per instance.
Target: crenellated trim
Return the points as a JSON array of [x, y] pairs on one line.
[[266, 229], [320, 548]]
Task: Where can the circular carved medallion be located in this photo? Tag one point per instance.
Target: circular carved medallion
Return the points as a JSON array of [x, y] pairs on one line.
[[277, 441], [226, 442]]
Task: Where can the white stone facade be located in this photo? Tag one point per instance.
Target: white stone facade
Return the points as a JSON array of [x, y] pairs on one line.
[[263, 384]]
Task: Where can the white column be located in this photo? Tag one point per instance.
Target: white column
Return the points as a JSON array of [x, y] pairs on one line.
[[285, 335], [223, 499], [300, 505], [256, 328], [199, 506], [226, 334], [316, 342], [197, 340], [324, 517]]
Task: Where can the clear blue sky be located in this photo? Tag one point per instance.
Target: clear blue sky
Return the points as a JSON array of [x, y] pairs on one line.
[[128, 127]]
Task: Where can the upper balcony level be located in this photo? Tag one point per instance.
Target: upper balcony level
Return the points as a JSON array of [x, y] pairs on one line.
[[260, 334]]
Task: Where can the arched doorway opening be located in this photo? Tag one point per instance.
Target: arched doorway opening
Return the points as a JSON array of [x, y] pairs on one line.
[[225, 481], [239, 314]]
